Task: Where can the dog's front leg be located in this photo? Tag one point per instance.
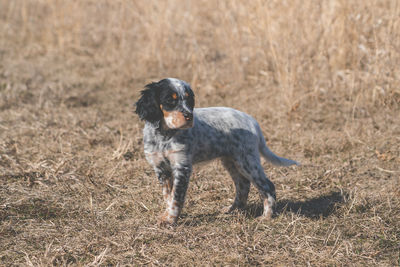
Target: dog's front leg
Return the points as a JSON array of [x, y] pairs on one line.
[[181, 176], [164, 174]]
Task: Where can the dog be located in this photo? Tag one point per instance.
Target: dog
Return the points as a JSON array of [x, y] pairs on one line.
[[176, 135]]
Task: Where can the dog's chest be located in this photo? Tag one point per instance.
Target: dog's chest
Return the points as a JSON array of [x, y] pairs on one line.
[[161, 149], [163, 152]]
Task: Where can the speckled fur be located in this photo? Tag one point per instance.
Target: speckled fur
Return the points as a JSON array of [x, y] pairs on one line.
[[217, 132]]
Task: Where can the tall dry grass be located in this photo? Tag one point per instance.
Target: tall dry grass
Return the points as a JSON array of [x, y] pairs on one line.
[[298, 48]]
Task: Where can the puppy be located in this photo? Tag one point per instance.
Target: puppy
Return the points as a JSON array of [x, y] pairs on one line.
[[176, 135]]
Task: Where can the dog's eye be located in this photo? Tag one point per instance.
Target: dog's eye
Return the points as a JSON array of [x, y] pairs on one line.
[[171, 101]]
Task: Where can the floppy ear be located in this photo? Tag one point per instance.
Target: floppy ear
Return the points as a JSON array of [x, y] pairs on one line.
[[147, 106]]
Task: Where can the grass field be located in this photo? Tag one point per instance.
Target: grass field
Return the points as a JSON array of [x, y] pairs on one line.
[[321, 77]]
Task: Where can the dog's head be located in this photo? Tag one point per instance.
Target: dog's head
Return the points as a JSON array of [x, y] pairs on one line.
[[169, 101]]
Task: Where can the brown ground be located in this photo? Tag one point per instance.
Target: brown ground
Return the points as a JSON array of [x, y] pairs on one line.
[[321, 77]]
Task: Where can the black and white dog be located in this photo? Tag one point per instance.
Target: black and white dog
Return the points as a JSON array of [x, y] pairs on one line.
[[177, 135]]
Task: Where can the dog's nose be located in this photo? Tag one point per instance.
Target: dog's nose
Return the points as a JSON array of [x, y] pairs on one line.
[[188, 116]]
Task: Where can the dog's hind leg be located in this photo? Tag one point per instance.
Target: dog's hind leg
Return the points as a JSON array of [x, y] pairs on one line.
[[242, 185], [250, 167]]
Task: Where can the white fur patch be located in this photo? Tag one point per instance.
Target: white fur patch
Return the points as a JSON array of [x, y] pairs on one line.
[[269, 204], [169, 120], [178, 85]]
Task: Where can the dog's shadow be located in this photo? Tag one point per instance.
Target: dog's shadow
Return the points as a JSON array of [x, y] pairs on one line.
[[314, 208]]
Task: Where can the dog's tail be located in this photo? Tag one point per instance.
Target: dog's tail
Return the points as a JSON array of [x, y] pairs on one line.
[[270, 156]]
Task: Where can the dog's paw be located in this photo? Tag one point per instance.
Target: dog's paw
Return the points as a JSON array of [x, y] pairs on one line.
[[266, 216], [166, 220], [269, 206]]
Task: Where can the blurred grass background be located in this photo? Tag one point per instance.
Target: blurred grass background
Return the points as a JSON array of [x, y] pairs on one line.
[[297, 48]]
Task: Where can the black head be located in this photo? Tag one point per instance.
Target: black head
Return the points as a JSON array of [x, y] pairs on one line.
[[169, 101]]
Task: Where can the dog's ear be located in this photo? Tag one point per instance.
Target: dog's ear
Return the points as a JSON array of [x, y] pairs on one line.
[[147, 106]]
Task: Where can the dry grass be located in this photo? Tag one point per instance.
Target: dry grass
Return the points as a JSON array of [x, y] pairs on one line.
[[321, 77]]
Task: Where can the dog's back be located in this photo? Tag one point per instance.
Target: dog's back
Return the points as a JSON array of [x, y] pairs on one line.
[[227, 132]]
